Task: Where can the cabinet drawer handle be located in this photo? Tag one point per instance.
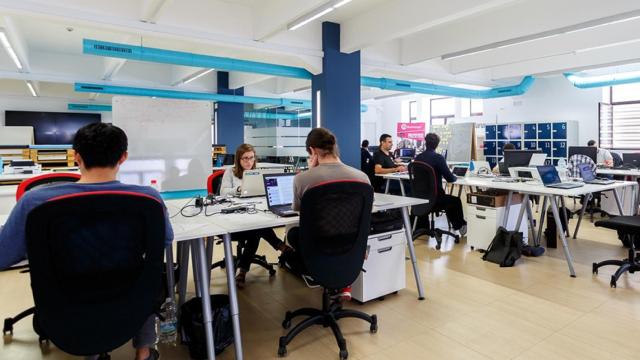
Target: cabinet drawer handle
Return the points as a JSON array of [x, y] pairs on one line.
[[481, 217], [481, 209], [384, 250], [385, 238]]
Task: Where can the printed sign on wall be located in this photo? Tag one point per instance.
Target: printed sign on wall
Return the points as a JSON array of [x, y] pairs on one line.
[[413, 131]]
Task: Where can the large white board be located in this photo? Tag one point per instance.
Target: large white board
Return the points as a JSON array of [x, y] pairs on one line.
[[169, 141], [457, 139]]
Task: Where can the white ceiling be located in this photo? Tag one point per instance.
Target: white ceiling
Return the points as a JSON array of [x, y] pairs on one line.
[[404, 39]]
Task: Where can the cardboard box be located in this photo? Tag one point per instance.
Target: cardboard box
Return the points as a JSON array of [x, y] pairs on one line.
[[493, 198]]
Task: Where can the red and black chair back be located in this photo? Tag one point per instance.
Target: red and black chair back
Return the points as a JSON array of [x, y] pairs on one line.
[[424, 186], [213, 182], [45, 180], [96, 264], [335, 220]]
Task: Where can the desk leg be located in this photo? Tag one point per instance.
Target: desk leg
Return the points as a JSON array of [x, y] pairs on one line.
[[525, 199], [402, 187], [565, 216], [203, 281], [543, 215], [184, 272], [233, 295], [451, 189], [196, 272], [565, 245], [386, 187], [585, 201], [531, 222], [209, 250], [412, 252], [506, 210], [460, 190], [618, 202], [171, 281]]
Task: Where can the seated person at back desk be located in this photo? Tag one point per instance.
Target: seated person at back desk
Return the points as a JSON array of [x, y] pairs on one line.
[[604, 156], [384, 161], [507, 146], [100, 149], [449, 203]]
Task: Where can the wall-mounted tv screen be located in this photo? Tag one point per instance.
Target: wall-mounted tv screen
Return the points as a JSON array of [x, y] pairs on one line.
[[51, 128]]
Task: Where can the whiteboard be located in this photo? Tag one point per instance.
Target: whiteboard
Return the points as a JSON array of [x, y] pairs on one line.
[[169, 141], [16, 135], [457, 139]]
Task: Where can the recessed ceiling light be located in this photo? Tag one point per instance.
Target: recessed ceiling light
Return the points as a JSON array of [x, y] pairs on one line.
[[9, 49], [316, 13]]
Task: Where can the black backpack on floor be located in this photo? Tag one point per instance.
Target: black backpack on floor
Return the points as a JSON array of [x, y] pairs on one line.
[[192, 328], [505, 248]]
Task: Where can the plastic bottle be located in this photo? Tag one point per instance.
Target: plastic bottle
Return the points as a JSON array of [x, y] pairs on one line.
[[155, 185], [472, 168], [562, 169], [166, 329]]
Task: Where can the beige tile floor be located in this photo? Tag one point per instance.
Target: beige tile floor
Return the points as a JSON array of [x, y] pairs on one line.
[[473, 310]]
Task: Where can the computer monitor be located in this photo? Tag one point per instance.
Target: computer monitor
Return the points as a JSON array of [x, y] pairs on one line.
[[513, 158], [588, 151], [407, 152], [228, 159], [373, 148], [632, 159]]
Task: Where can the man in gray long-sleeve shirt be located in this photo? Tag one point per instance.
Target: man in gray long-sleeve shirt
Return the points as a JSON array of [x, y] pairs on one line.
[[100, 149]]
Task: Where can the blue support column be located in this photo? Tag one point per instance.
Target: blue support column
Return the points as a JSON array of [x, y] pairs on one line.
[[230, 116], [339, 93]]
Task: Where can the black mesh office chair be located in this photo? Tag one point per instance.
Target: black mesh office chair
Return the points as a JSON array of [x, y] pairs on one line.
[[629, 226], [334, 226], [424, 185], [30, 184], [96, 263]]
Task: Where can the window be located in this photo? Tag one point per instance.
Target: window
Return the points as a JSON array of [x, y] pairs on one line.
[[441, 110], [471, 107], [619, 118], [413, 111]]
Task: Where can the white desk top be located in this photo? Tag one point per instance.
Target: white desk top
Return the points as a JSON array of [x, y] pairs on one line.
[[634, 172], [8, 190], [259, 165]]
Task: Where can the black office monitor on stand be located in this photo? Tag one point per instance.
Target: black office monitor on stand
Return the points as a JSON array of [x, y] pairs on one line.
[[631, 159], [518, 158], [588, 151]]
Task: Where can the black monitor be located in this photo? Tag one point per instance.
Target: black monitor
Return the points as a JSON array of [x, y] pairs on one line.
[[407, 152], [515, 158], [373, 148], [588, 151], [228, 159], [51, 128], [632, 159]]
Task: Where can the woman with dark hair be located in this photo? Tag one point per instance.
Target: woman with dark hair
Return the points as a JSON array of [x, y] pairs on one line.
[[245, 159]]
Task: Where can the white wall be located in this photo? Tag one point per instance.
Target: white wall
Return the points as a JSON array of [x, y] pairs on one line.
[[37, 104], [549, 99], [386, 113]]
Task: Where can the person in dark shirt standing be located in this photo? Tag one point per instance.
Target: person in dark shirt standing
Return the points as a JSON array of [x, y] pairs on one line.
[[385, 163], [366, 160], [450, 204]]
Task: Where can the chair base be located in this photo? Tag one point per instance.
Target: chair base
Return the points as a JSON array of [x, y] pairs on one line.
[[435, 233], [630, 264], [260, 260], [327, 317], [7, 329]]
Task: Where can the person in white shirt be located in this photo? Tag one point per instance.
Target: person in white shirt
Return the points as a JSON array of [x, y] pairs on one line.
[[604, 156]]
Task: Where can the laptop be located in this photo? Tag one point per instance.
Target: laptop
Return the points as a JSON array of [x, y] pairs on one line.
[[590, 178], [279, 191], [460, 170], [631, 160], [252, 184], [550, 178], [537, 159]]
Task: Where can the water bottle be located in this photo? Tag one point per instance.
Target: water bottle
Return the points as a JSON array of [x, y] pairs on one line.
[[166, 329], [562, 169], [472, 167]]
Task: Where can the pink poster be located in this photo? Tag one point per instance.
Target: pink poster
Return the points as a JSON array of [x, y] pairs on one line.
[[414, 131]]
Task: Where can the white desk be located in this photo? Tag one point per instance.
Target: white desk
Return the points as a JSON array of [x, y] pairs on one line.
[[7, 198], [634, 173], [259, 165]]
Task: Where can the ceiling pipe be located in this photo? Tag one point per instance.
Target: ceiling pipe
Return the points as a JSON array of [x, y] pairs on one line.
[[89, 107], [588, 82]]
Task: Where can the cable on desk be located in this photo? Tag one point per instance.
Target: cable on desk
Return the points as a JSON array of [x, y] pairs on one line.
[[190, 215], [182, 208]]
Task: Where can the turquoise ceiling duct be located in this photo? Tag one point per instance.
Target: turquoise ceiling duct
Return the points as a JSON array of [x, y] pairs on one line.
[[432, 89], [188, 95], [588, 82], [141, 53], [89, 107], [275, 116]]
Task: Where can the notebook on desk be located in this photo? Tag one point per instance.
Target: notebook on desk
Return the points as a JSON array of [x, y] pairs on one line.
[[279, 191]]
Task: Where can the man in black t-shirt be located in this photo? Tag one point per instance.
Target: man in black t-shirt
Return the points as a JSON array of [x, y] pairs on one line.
[[384, 161]]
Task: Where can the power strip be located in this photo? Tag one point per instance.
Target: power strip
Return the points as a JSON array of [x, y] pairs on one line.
[[232, 209]]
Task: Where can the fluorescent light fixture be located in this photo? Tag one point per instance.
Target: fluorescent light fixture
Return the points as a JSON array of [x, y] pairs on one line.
[[196, 75], [7, 46], [316, 13], [318, 122], [591, 24], [32, 89], [304, 114]]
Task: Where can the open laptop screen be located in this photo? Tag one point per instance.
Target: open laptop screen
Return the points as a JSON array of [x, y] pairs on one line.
[[585, 172], [279, 189], [549, 174]]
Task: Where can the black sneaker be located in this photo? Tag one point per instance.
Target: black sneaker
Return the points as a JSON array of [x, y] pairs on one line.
[[153, 354]]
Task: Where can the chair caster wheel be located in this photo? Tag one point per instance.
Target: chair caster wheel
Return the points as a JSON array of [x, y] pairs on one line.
[[613, 283], [282, 348], [456, 240], [272, 272], [42, 341], [286, 323], [594, 268], [344, 354], [373, 328], [438, 246]]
